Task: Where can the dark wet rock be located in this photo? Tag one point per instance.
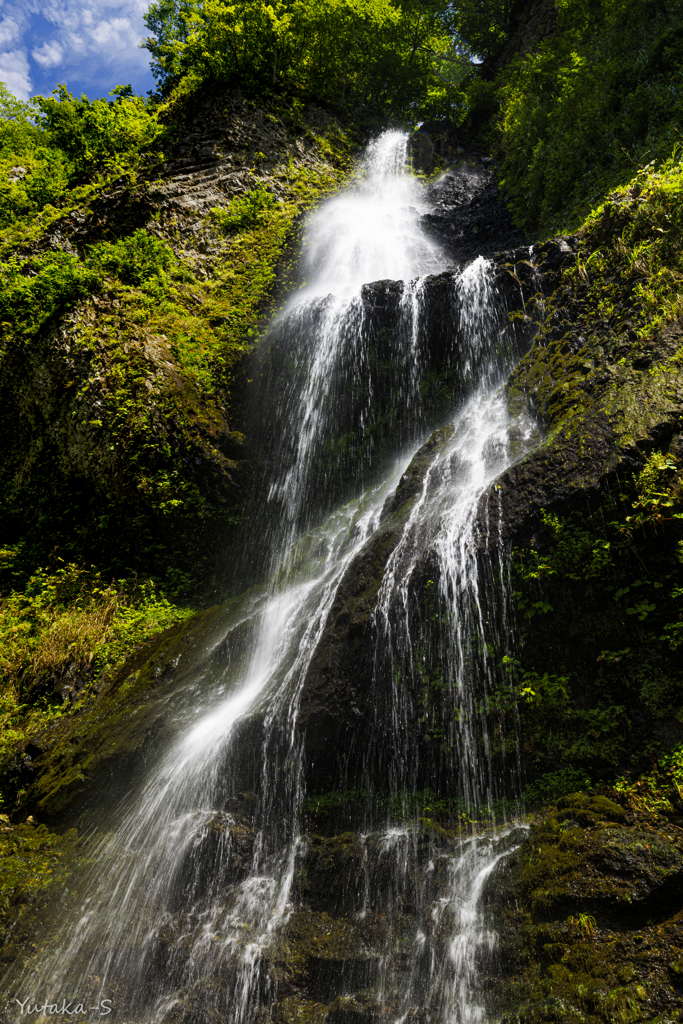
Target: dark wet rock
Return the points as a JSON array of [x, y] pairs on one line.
[[221, 855], [357, 1010], [331, 952], [298, 1010], [591, 912], [469, 217], [203, 1003], [335, 693], [412, 481]]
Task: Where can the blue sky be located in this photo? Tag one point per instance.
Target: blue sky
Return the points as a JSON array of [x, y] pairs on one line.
[[88, 45]]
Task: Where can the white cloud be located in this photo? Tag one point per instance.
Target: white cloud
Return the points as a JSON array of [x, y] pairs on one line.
[[94, 39], [15, 72], [11, 30], [93, 45], [49, 55]]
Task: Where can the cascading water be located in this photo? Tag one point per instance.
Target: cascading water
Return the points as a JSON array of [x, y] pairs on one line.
[[188, 893]]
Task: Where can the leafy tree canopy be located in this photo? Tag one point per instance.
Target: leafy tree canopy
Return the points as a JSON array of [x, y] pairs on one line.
[[54, 145], [482, 25], [97, 133], [391, 55]]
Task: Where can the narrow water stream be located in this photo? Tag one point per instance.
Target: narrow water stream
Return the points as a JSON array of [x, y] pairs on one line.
[[178, 893]]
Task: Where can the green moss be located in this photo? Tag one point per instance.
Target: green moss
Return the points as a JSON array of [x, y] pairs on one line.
[[295, 1010], [34, 865], [575, 942], [110, 727], [324, 937]]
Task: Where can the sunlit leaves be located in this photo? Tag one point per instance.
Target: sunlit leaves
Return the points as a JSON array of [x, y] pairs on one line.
[[377, 52]]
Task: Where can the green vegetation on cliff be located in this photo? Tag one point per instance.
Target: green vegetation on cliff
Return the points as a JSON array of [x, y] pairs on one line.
[[573, 96], [61, 633], [34, 862], [126, 318], [598, 675], [136, 336]]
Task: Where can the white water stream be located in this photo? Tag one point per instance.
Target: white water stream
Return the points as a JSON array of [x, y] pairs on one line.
[[150, 924]]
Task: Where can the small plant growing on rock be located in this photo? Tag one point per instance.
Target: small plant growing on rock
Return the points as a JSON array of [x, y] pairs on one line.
[[655, 495], [244, 210], [584, 923]]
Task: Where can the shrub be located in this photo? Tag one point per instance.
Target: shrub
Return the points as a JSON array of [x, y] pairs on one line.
[[133, 259], [588, 105], [99, 135]]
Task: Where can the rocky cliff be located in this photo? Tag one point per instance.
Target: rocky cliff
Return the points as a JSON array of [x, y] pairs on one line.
[[587, 525]]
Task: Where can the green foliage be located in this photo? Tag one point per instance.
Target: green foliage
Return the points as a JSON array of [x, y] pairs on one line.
[[134, 259], [600, 656], [484, 24], [56, 151], [34, 290], [34, 863], [18, 131], [659, 790], [552, 785], [584, 923], [586, 105], [245, 210], [387, 55], [65, 619], [44, 186], [631, 249], [99, 135]]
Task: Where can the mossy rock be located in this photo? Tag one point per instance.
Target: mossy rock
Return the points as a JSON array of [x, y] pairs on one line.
[[324, 955], [358, 1009], [296, 1010], [57, 772], [589, 810], [331, 872], [590, 918], [320, 936]]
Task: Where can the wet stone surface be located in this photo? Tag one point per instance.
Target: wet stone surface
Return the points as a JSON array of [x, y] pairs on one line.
[[591, 913]]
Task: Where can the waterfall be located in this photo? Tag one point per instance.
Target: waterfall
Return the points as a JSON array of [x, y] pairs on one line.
[[192, 887]]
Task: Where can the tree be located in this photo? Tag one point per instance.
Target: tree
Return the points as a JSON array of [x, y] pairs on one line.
[[387, 54]]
